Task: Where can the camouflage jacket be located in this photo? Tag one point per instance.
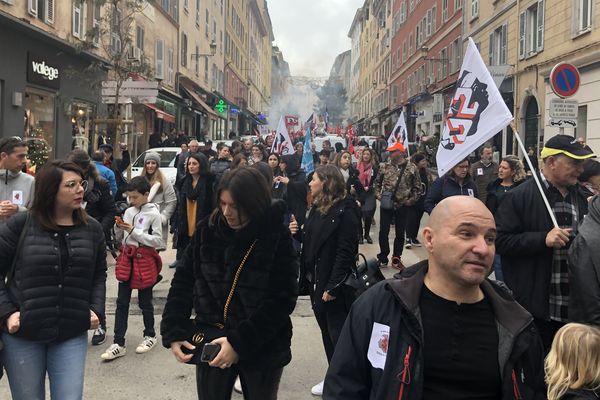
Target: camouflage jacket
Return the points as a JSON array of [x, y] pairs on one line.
[[410, 188]]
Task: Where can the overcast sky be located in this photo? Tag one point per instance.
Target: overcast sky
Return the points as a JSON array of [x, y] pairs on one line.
[[311, 33]]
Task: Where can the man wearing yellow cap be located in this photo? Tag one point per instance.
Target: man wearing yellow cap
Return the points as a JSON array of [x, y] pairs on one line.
[[534, 252], [399, 182]]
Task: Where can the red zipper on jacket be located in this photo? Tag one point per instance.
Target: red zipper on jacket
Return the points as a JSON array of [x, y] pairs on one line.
[[515, 386], [405, 373]]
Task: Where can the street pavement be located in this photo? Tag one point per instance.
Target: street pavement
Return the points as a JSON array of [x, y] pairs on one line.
[[156, 375]]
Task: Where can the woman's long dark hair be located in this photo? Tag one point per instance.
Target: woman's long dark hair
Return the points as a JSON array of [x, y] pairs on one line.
[[249, 190], [47, 184]]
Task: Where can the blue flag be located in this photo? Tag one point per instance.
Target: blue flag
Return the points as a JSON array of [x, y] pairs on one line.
[[307, 158]]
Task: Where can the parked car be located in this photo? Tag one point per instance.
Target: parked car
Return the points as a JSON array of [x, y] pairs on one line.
[[332, 139], [167, 162]]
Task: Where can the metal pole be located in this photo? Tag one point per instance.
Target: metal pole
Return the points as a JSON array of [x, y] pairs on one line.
[[536, 178]]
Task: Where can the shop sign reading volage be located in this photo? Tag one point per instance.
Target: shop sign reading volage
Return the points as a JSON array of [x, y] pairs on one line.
[[43, 71]]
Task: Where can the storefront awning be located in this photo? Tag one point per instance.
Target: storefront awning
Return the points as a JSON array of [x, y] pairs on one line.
[[160, 114], [198, 100]]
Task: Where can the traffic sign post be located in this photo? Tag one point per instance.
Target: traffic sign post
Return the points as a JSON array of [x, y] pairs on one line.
[[564, 81]]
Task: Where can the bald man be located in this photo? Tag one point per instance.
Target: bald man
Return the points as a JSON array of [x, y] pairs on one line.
[[441, 329]]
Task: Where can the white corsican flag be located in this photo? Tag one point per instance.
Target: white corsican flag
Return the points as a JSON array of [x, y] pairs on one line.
[[476, 114], [282, 144], [399, 133]]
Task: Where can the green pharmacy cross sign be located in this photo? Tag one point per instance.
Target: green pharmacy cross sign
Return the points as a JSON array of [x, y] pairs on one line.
[[221, 106]]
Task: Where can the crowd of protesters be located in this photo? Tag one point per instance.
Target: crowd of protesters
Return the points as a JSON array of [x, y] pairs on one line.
[[253, 230]]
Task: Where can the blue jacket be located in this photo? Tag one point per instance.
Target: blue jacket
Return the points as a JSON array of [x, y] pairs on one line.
[[109, 175], [447, 186]]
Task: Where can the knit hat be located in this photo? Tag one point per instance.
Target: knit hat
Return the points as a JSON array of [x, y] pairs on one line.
[[152, 155]]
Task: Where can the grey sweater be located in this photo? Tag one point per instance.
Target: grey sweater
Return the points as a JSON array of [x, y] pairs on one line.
[[17, 187]]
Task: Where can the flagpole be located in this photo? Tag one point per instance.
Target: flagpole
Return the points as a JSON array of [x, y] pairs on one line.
[[537, 179]]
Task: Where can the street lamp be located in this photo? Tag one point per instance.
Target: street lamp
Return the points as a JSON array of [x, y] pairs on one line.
[[424, 50], [213, 51]]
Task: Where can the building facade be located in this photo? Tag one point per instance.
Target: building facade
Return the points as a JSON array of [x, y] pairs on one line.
[[197, 51]]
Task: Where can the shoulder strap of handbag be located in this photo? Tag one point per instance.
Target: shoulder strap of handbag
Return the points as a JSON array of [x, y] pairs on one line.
[[399, 179], [11, 272], [235, 281]]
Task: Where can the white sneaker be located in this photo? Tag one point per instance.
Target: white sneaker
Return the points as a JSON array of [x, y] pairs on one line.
[[114, 351], [237, 386], [317, 390], [147, 344]]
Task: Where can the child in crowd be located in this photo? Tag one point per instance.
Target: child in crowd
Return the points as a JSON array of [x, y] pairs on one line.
[[138, 265], [572, 366]]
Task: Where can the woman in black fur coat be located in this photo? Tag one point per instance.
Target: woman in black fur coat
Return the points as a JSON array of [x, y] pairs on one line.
[[257, 333]]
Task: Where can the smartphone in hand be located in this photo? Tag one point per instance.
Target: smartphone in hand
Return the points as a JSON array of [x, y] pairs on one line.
[[209, 352]]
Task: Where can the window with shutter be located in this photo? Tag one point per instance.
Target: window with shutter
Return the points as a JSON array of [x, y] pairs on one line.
[[32, 7], [170, 62], [183, 49], [429, 17], [474, 8], [159, 56], [433, 19], [540, 25], [491, 55], [96, 18], [76, 19], [49, 12], [503, 45], [522, 31]]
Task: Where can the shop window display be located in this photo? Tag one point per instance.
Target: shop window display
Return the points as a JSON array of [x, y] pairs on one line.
[[81, 120], [39, 126]]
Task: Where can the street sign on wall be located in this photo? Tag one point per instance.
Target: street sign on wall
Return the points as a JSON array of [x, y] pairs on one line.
[[564, 108], [132, 89], [565, 80]]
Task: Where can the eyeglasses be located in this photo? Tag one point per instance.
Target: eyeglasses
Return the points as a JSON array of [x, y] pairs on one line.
[[73, 185]]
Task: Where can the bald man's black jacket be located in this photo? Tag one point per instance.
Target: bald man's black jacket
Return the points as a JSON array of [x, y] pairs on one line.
[[395, 303]]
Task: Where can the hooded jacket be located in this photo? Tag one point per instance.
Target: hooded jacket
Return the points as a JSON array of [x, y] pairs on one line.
[[147, 227], [18, 187], [258, 325], [584, 269], [395, 303]]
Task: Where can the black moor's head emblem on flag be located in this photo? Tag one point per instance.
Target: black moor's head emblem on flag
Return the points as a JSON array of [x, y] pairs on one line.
[[470, 100]]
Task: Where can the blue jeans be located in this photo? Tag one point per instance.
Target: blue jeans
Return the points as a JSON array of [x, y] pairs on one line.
[[27, 362]]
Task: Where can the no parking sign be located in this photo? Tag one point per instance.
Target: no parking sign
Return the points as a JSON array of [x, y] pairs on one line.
[[564, 80]]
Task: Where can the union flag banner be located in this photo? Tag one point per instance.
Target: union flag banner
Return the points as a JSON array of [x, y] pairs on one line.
[[477, 112]]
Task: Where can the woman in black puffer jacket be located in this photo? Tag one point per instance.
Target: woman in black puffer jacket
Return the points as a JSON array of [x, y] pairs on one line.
[[58, 288], [256, 338]]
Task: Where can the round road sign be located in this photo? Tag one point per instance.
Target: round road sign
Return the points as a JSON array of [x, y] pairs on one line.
[[564, 80]]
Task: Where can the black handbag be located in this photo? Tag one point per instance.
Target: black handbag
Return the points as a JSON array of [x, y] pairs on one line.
[[364, 275], [203, 333], [387, 197]]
